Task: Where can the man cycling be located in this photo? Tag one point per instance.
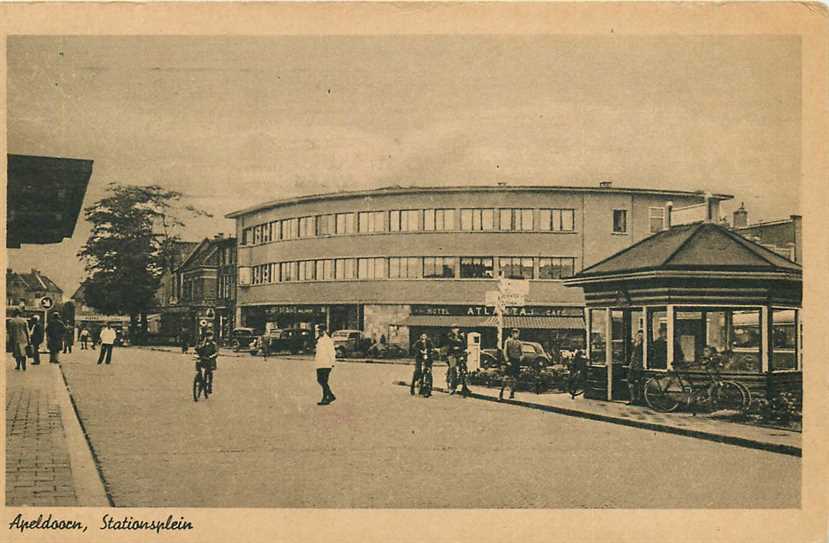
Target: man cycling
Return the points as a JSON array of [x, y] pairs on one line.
[[208, 353], [424, 354]]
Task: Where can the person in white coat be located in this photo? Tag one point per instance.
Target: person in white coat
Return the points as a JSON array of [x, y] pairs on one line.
[[324, 362]]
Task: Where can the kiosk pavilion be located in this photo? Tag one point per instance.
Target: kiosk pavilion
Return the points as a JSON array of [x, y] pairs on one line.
[[688, 287]]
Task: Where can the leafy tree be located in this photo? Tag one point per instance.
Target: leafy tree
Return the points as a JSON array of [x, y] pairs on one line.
[[134, 230]]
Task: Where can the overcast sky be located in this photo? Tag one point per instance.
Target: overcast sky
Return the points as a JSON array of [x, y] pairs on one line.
[[233, 122]]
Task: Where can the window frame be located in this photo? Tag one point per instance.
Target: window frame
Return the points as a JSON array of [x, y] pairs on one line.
[[626, 230]]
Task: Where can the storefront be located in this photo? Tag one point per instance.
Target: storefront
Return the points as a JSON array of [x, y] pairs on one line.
[[555, 328], [688, 288], [264, 317]]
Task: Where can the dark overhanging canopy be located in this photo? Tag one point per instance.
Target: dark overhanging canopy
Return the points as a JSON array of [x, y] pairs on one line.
[[44, 196], [692, 263]]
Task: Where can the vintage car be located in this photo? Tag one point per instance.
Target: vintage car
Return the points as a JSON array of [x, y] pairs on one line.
[[293, 340], [241, 338], [350, 343], [533, 356]]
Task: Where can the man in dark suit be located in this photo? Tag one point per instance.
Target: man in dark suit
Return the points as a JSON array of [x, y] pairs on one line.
[[18, 330]]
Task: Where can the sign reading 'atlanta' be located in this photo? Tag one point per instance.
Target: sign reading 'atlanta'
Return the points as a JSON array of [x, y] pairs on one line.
[[483, 311]]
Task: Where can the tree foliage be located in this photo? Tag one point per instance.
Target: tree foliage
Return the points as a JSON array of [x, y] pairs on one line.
[[134, 230]]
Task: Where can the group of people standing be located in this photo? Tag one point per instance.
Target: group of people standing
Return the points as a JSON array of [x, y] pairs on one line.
[[26, 337]]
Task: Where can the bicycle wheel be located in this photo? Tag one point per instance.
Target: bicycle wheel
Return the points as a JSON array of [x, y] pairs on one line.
[[729, 396], [208, 384], [197, 387], [426, 387], [576, 385], [746, 392], [663, 393]]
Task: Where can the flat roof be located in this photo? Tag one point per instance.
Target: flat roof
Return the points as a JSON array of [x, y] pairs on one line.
[[397, 190]]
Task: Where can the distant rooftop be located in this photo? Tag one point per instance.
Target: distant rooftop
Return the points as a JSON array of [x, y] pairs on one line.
[[604, 187]]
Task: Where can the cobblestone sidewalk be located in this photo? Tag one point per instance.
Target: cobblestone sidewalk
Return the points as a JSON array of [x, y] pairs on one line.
[[38, 471]]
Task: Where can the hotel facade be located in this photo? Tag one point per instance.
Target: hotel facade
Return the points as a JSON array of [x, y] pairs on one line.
[[399, 261]]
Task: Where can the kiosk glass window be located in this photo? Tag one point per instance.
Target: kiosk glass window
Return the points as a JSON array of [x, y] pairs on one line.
[[657, 336], [733, 333], [624, 325], [598, 333], [784, 339]]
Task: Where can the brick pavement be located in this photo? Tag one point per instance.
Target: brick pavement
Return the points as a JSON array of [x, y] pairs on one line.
[[38, 470]]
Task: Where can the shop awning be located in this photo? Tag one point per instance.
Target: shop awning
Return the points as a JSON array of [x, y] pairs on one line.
[[528, 323], [445, 321], [542, 323]]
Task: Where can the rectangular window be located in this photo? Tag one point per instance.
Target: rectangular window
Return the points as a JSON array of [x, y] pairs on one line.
[[275, 275], [620, 221], [344, 269], [516, 267], [345, 223], [477, 268], [518, 220], [439, 220], [290, 229], [439, 267], [405, 268], [266, 233], [370, 221], [326, 225], [307, 227], [371, 268], [476, 220], [403, 220], [288, 271], [556, 267], [247, 236], [266, 273], [276, 231], [257, 234], [325, 270], [557, 220], [656, 218], [784, 339]]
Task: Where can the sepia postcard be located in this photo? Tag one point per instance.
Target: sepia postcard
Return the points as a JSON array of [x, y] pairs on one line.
[[415, 271]]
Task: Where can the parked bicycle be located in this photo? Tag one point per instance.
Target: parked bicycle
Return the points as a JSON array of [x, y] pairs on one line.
[[459, 377], [666, 392], [577, 380]]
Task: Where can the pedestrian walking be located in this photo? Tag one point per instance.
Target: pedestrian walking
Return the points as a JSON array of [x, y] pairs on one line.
[[55, 331], [636, 368], [68, 339], [324, 358], [512, 355], [455, 350], [17, 330], [83, 337], [36, 338], [185, 340], [107, 340]]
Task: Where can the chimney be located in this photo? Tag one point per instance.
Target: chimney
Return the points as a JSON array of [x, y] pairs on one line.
[[740, 216], [669, 208], [712, 208], [606, 184]]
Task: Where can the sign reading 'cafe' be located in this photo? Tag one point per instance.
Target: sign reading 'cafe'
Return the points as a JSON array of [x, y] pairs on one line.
[[483, 311]]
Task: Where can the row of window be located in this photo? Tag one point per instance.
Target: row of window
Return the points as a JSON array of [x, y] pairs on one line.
[[416, 267], [413, 220]]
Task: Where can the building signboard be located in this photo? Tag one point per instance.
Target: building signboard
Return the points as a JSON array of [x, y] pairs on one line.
[[485, 310], [274, 310]]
